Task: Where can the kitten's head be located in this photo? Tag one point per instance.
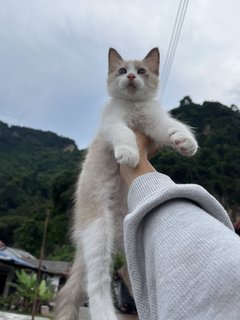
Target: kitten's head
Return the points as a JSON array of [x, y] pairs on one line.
[[133, 80]]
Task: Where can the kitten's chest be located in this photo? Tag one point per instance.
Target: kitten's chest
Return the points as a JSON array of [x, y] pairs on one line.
[[137, 117]]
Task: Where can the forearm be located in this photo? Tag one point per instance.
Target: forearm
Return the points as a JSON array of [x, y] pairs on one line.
[[165, 228], [191, 264], [153, 188], [130, 174]]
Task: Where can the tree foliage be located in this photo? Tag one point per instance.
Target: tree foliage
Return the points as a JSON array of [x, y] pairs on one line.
[[38, 172], [26, 287], [216, 165]]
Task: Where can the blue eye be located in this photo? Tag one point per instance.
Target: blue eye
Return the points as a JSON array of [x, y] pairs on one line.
[[141, 71], [122, 71]]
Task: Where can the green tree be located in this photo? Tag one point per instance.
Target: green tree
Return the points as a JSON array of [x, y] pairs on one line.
[[26, 287]]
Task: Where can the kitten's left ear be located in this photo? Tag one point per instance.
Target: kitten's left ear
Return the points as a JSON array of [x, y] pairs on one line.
[[152, 60], [114, 59]]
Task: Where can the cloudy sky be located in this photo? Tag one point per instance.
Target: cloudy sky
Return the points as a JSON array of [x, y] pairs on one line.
[[53, 56]]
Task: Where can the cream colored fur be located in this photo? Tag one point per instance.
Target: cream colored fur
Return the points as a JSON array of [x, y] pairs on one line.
[[101, 195]]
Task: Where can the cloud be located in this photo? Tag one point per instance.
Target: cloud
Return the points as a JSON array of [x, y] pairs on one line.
[[206, 65], [53, 56]]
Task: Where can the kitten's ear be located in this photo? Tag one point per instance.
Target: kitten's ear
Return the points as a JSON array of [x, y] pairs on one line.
[[152, 60], [114, 59]]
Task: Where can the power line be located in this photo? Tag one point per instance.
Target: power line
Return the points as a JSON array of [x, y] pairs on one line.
[[174, 42], [171, 40], [181, 13]]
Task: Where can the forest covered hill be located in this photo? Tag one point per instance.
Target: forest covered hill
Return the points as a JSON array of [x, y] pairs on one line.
[[38, 171], [33, 166]]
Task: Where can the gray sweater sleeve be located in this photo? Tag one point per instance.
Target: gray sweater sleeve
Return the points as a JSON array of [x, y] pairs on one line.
[[182, 254]]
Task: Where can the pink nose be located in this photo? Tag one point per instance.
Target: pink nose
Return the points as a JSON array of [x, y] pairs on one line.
[[131, 76]]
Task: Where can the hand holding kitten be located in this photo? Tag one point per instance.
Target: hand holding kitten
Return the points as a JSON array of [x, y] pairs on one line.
[[146, 150]]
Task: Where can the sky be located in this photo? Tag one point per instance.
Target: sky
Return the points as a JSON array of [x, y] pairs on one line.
[[53, 57]]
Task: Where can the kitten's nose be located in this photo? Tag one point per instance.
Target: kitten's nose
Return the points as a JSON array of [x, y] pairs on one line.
[[131, 76]]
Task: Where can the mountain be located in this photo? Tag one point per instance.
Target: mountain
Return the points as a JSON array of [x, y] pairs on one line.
[[19, 139], [32, 166], [216, 166], [38, 171]]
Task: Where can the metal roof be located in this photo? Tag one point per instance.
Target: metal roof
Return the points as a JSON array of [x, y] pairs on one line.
[[21, 258], [9, 256]]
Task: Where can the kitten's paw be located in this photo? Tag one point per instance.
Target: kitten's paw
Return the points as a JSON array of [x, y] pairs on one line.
[[127, 155], [184, 143]]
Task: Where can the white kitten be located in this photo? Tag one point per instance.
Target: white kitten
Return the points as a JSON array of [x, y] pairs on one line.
[[100, 194]]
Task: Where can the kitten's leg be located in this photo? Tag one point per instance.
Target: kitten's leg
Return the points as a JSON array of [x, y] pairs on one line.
[[123, 141], [97, 240], [177, 135], [71, 296], [183, 141]]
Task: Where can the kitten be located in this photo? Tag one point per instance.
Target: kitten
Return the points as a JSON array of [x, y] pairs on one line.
[[100, 194]]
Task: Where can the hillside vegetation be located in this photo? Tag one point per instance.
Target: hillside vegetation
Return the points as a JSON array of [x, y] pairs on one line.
[[216, 166], [38, 171]]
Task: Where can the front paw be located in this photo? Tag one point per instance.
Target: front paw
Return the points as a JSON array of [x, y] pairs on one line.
[[184, 143], [127, 155]]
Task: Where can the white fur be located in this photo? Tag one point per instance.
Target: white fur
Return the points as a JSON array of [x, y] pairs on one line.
[[97, 241], [149, 118], [100, 194]]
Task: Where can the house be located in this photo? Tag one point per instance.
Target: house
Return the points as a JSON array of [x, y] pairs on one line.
[[12, 259]]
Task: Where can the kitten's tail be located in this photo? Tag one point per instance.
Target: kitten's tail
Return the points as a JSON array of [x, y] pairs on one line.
[[71, 296]]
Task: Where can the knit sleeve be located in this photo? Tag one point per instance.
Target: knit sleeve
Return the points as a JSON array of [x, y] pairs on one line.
[[152, 189], [170, 233]]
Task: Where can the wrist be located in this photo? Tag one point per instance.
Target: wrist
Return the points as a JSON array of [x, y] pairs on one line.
[[129, 174]]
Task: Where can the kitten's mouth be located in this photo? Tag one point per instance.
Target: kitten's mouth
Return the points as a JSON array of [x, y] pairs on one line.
[[131, 85]]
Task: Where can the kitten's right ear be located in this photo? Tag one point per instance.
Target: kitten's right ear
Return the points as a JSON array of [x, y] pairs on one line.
[[152, 60], [114, 59]]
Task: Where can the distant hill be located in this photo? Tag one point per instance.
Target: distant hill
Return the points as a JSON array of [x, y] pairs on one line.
[[15, 138], [38, 171], [217, 163], [32, 164]]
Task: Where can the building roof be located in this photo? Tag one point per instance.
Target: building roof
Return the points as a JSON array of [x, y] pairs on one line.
[[53, 267], [15, 256], [21, 258]]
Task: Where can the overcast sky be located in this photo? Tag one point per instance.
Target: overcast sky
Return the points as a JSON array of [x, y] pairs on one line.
[[53, 56]]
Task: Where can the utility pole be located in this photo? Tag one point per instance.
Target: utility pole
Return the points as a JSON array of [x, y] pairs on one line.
[[40, 265]]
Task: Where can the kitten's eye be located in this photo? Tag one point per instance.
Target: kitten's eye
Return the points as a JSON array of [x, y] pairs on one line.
[[141, 71], [122, 71]]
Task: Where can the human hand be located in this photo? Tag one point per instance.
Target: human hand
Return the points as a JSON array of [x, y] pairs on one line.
[[146, 150]]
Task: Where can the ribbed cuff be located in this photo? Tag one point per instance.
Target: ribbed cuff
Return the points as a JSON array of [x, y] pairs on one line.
[[145, 186], [152, 189]]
